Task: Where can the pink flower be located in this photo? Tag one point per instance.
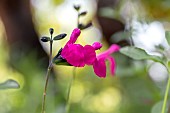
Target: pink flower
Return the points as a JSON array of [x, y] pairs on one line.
[[99, 65], [79, 56], [76, 54]]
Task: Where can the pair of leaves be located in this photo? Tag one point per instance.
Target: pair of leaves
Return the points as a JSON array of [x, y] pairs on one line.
[[77, 8], [58, 37], [9, 84], [139, 54]]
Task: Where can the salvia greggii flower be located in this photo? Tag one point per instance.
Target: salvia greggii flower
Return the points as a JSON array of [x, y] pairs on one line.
[[79, 56]]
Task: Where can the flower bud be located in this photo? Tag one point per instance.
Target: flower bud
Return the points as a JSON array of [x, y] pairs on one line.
[[97, 45], [77, 7], [51, 31]]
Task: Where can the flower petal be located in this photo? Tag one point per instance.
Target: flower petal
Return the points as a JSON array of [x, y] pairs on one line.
[[100, 68], [113, 48], [75, 34], [74, 55], [112, 65], [96, 45], [89, 55]]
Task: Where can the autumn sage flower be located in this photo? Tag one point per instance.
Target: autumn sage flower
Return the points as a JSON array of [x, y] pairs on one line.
[[76, 54], [79, 56], [99, 65]]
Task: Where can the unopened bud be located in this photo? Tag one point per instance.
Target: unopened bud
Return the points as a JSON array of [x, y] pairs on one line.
[[77, 7], [51, 31]]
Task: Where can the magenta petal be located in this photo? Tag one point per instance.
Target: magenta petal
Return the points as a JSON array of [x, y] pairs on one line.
[[100, 68], [75, 34], [74, 55], [96, 45], [113, 48], [89, 55], [112, 65]]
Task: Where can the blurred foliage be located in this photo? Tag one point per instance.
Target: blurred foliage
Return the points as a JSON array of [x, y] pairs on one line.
[[57, 2], [9, 84], [157, 9], [131, 90]]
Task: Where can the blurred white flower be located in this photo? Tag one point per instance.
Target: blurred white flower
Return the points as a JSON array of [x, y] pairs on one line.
[[149, 36], [158, 72]]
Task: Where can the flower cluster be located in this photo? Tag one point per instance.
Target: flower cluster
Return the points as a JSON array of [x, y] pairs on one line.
[[79, 56]]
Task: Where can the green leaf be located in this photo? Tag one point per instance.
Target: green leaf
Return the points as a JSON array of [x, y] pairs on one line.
[[157, 108], [119, 36], [57, 2], [139, 54], [167, 34], [9, 84], [83, 13], [60, 36], [58, 60], [82, 27], [61, 62]]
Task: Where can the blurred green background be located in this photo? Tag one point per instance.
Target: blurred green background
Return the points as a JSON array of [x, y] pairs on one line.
[[24, 58]]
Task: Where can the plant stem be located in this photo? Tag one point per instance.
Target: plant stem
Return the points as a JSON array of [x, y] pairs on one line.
[[69, 90], [166, 94], [47, 76], [45, 88], [78, 19]]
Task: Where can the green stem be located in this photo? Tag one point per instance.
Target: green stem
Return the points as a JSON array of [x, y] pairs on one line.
[[166, 95], [69, 90], [47, 76], [45, 88]]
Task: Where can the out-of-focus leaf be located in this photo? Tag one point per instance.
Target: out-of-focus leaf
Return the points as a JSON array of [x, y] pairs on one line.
[[158, 107], [119, 36], [82, 27], [9, 84], [57, 2], [167, 34], [139, 54], [60, 36], [77, 7], [109, 13], [83, 13]]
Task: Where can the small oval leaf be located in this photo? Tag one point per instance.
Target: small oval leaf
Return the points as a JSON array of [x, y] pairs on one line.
[[82, 27], [9, 84], [45, 39], [60, 36], [83, 13]]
